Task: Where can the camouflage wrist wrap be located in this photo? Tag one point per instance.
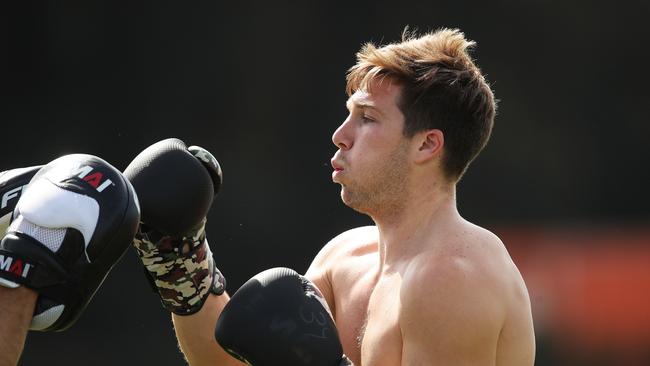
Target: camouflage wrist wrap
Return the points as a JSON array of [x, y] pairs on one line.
[[182, 269]]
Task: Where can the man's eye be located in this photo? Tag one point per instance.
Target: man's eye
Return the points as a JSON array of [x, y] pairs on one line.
[[367, 118]]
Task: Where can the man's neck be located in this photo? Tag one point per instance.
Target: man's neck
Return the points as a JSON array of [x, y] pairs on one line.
[[407, 232]]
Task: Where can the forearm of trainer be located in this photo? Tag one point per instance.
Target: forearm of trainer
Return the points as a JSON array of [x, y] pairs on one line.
[[195, 334], [16, 310]]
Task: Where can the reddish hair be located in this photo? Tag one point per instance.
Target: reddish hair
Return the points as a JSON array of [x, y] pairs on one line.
[[442, 89]]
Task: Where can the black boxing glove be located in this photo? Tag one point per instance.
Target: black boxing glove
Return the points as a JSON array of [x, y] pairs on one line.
[[72, 224], [176, 186], [12, 184], [279, 317]]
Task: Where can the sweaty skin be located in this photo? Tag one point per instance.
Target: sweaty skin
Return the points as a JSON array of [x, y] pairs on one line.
[[422, 287]]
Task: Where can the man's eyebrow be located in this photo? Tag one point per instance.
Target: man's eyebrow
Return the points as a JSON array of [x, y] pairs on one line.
[[364, 105]]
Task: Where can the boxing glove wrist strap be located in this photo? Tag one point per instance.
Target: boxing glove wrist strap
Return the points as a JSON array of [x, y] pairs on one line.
[[182, 270]]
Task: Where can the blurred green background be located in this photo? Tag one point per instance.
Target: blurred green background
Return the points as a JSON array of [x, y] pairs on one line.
[[563, 181]]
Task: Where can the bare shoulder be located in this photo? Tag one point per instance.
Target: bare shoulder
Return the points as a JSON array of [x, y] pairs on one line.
[[353, 242], [465, 288], [492, 265], [333, 263], [469, 259], [464, 270]]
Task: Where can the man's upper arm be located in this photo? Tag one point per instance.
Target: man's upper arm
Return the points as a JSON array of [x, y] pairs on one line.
[[449, 318], [319, 272]]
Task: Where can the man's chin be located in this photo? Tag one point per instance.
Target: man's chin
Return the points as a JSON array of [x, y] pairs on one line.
[[352, 201]]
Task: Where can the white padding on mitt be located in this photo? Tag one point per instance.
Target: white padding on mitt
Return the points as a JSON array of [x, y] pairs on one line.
[[46, 318], [48, 205]]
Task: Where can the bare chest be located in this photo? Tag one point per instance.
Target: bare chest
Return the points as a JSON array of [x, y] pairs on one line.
[[381, 341], [368, 321]]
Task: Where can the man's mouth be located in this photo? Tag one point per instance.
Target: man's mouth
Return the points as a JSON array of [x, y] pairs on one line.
[[338, 168], [336, 165]]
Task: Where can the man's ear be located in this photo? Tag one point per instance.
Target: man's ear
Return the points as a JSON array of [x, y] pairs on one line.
[[430, 146]]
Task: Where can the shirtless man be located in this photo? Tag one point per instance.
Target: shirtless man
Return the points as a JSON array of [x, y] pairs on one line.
[[424, 286]]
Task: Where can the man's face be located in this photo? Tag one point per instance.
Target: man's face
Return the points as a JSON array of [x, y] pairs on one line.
[[372, 161]]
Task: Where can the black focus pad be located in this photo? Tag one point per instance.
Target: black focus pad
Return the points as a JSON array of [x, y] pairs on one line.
[[174, 189], [119, 212], [56, 195], [275, 319]]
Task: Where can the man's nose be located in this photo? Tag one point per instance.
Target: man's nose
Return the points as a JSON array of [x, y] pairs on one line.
[[342, 136]]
